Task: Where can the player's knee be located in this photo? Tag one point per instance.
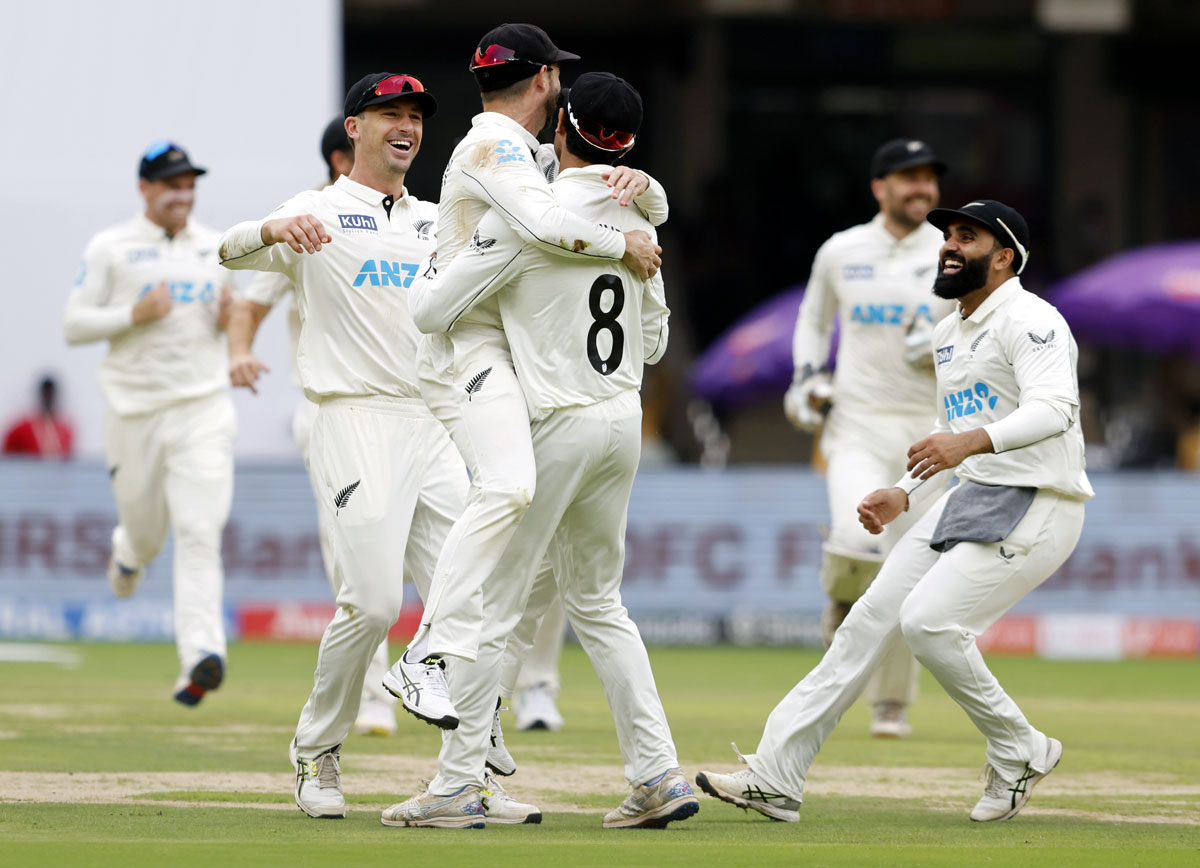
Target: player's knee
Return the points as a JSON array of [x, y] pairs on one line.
[[510, 502], [198, 539], [922, 630], [379, 611]]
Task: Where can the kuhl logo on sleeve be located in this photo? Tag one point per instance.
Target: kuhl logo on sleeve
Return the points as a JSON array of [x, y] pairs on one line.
[[969, 401]]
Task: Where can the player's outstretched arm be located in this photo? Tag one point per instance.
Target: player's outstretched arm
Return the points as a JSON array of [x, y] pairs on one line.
[[244, 320], [275, 243]]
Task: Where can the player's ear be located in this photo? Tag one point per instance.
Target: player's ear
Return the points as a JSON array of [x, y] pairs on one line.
[[351, 125], [1004, 258], [877, 189], [561, 129]]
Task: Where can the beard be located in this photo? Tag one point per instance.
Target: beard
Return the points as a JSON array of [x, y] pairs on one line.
[[550, 109], [972, 276]]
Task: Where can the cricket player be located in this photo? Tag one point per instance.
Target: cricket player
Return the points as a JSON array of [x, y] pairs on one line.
[[152, 287], [376, 711], [875, 277], [1008, 421], [390, 480], [467, 373], [579, 333]]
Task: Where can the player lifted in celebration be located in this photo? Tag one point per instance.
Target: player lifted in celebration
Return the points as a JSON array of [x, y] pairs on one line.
[[467, 373], [153, 289], [389, 481], [1008, 420], [876, 278], [579, 333], [376, 713]]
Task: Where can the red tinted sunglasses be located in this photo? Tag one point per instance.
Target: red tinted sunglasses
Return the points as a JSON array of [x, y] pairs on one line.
[[599, 136], [496, 55], [399, 84]]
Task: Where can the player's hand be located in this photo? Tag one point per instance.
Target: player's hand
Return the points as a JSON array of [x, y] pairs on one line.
[[155, 304], [806, 404], [880, 507], [642, 255], [939, 452], [304, 233], [627, 184], [244, 370], [918, 350]]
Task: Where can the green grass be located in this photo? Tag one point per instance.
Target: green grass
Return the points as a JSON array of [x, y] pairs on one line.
[[1132, 761]]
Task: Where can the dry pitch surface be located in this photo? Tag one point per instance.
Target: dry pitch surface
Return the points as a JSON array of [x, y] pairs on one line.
[[97, 765]]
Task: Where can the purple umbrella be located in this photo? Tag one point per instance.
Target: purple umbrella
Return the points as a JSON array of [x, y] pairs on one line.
[[752, 360], [1147, 299]]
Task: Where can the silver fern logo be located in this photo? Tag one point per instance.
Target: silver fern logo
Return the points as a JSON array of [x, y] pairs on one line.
[[481, 243], [983, 334], [423, 227], [476, 383], [343, 497]]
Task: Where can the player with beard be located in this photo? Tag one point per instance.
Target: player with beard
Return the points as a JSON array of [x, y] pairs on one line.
[[1008, 424], [875, 277]]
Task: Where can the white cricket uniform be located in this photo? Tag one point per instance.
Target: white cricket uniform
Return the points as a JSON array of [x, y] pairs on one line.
[[467, 375], [878, 286], [388, 479], [169, 425], [1014, 354], [579, 333]]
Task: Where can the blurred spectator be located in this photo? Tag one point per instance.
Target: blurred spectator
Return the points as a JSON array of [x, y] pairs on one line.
[[43, 432]]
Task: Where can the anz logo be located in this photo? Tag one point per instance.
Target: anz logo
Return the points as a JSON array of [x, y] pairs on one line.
[[386, 273], [509, 153], [887, 314], [969, 401], [186, 291]]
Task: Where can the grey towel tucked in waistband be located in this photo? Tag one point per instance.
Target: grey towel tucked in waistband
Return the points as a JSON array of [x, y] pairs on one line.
[[980, 513]]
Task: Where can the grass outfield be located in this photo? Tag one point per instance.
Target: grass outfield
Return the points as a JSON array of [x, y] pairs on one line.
[[99, 767]]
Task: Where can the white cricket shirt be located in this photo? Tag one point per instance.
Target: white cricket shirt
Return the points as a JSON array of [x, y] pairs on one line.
[[176, 358], [579, 331], [356, 335], [1014, 349], [878, 285]]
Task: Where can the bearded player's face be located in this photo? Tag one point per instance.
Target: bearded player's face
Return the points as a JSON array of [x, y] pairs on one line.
[[965, 260], [908, 195]]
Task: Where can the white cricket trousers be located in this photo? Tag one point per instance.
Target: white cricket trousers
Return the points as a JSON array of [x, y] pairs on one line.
[[303, 419], [470, 385], [586, 461], [174, 468], [862, 456], [390, 484], [939, 603]]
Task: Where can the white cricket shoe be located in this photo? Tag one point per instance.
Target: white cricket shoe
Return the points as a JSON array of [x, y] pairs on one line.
[[375, 717], [652, 806], [461, 810], [319, 783], [890, 720], [123, 580], [1003, 799], [535, 709], [747, 790], [422, 689], [500, 807], [499, 759]]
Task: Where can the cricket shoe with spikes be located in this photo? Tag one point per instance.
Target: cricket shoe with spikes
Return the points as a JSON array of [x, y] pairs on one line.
[[319, 783], [1003, 799], [500, 807], [652, 806], [748, 791], [461, 810], [422, 690]]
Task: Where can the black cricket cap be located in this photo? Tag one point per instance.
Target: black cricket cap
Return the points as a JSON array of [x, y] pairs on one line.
[[1005, 223], [335, 139], [380, 87], [513, 52], [904, 154], [165, 159], [604, 109]]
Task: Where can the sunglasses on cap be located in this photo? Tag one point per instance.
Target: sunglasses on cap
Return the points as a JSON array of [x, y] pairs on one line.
[[399, 85], [497, 55], [599, 136], [157, 149]]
